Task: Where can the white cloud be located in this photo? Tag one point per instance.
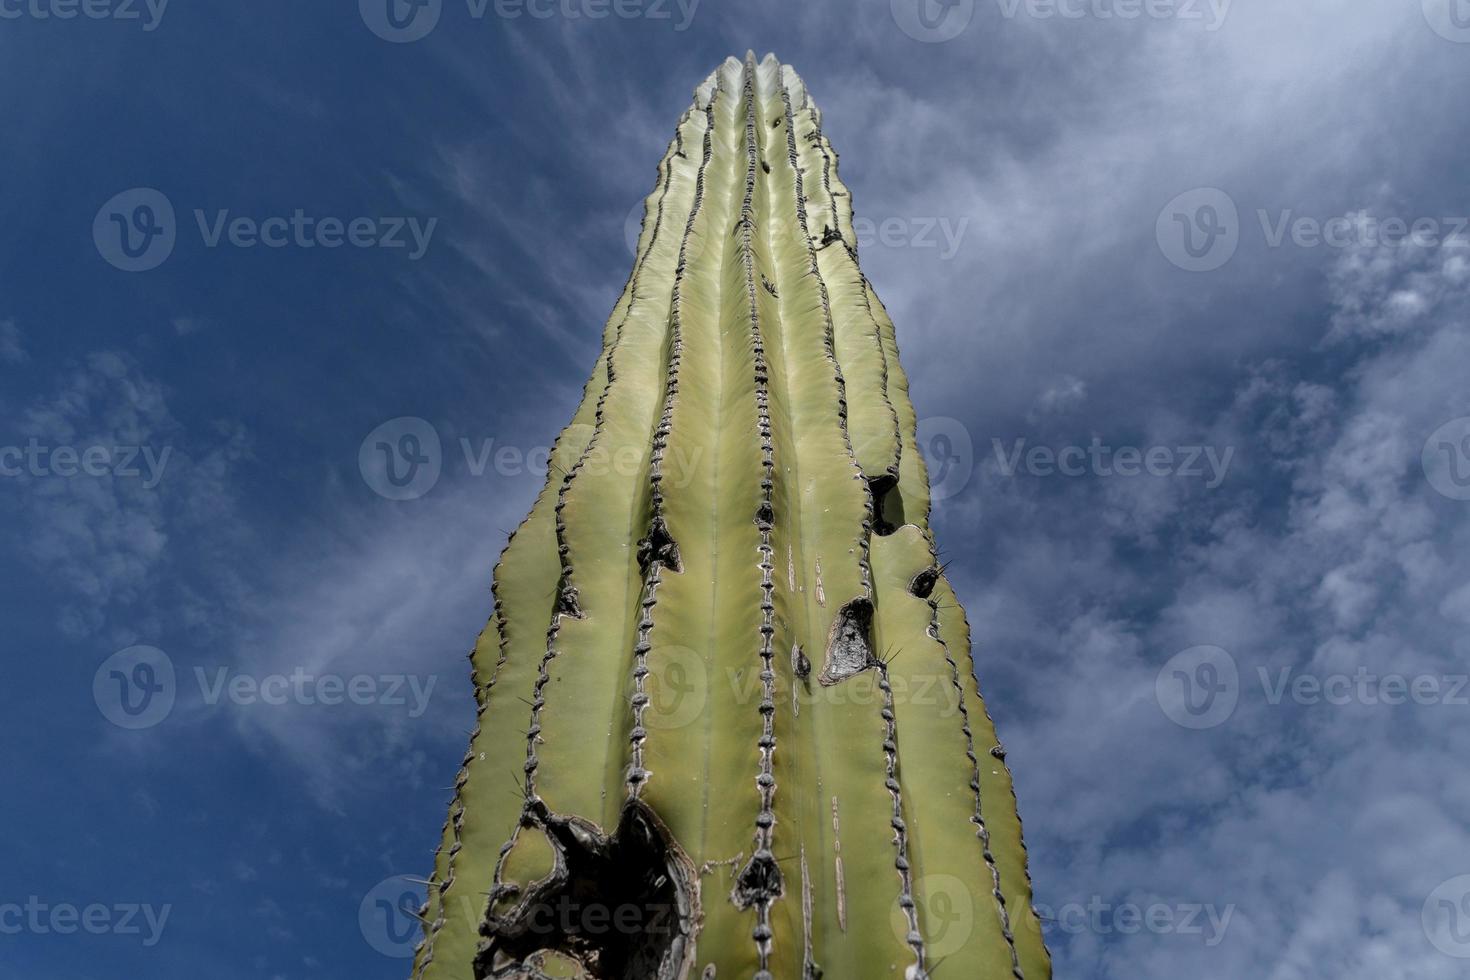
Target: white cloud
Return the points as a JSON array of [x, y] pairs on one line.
[[1368, 571]]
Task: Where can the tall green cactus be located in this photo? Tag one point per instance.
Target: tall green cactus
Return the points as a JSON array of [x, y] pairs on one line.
[[752, 741]]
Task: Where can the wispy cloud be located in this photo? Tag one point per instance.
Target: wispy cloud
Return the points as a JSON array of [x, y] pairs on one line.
[[12, 350], [1362, 573]]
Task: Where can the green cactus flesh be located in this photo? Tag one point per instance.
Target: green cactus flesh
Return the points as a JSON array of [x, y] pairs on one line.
[[728, 719]]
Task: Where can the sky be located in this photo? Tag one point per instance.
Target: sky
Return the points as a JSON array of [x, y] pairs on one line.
[[1181, 287]]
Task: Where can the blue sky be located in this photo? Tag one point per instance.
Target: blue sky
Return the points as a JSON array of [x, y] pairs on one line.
[[1226, 237]]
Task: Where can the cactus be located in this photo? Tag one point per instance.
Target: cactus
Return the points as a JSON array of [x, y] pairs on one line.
[[728, 721]]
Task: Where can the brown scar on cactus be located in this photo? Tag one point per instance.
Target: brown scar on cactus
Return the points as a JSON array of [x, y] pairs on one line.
[[594, 876], [659, 546], [922, 584], [886, 502], [849, 643]]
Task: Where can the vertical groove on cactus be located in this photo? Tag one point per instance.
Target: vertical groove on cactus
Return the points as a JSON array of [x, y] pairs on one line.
[[760, 882], [982, 832], [1006, 839], [661, 546], [726, 617], [827, 535], [872, 420]]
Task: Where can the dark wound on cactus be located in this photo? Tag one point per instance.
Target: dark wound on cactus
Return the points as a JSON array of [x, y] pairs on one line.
[[677, 772]]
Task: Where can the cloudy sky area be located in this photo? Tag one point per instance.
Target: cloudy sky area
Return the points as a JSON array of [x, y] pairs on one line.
[[1172, 234]]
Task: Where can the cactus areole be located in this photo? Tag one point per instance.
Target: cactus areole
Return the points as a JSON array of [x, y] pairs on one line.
[[728, 721]]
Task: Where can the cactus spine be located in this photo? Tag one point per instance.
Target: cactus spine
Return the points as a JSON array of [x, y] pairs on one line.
[[753, 745]]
